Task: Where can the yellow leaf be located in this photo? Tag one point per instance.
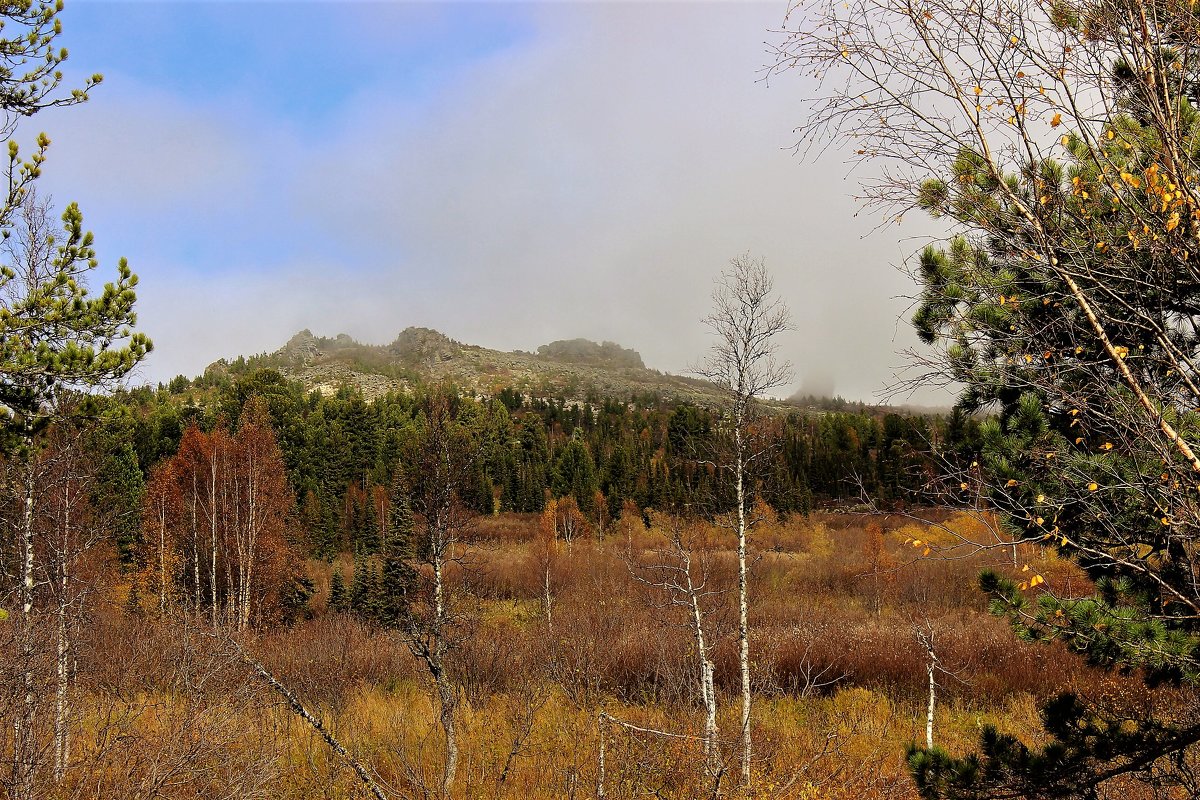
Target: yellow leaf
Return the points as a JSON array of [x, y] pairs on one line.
[[1011, 483], [1040, 521], [1037, 579], [1064, 140], [1110, 135], [1056, 120], [916, 543], [925, 552], [963, 486], [1025, 568], [1106, 446], [1121, 351], [1041, 498], [978, 90], [1093, 487]]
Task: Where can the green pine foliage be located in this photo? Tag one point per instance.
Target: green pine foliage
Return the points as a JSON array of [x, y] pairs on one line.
[[1068, 307]]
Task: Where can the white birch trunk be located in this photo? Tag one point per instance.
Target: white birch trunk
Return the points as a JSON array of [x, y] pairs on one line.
[[212, 577], [195, 547], [743, 604], [252, 523], [708, 694], [62, 649], [932, 698], [23, 733], [600, 758], [162, 558], [447, 699]]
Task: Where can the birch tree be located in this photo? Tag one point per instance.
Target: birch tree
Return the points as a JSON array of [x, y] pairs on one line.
[[54, 338], [436, 468], [746, 319], [218, 521], [682, 572]]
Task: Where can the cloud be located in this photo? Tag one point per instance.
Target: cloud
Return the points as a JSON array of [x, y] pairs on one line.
[[590, 180]]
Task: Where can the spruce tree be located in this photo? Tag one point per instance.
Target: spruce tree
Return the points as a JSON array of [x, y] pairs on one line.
[[397, 574], [339, 600]]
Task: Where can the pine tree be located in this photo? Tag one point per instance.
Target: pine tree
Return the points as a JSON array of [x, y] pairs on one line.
[[1068, 306]]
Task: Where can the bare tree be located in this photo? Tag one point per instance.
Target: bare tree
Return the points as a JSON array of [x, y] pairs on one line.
[[436, 469], [684, 576], [745, 321]]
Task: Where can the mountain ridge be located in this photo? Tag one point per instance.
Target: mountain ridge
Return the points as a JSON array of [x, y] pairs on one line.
[[574, 369]]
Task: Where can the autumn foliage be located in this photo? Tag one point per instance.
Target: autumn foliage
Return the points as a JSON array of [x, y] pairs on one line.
[[219, 527]]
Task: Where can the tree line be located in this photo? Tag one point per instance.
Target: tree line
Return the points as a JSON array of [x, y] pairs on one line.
[[340, 452]]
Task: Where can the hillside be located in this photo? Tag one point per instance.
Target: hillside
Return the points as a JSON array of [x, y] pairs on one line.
[[577, 369]]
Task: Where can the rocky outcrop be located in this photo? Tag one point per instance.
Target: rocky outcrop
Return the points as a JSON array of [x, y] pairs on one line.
[[572, 368]]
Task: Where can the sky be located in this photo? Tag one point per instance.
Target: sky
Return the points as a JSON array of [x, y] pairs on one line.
[[509, 174]]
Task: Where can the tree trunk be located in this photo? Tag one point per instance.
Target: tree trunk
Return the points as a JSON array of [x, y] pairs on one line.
[[708, 694], [24, 748], [600, 758], [162, 560], [712, 752], [743, 605], [212, 513], [62, 645], [932, 699], [195, 548], [448, 702]]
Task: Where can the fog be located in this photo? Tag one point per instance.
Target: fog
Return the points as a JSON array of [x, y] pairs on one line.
[[589, 179]]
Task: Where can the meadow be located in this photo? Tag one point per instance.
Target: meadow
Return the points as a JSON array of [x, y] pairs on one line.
[[556, 649]]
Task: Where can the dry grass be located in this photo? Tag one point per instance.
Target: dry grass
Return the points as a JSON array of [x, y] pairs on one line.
[[839, 674]]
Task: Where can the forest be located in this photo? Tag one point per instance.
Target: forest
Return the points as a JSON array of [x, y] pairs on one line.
[[284, 520], [243, 585]]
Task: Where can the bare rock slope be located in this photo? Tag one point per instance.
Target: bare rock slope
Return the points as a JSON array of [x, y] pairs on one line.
[[576, 369]]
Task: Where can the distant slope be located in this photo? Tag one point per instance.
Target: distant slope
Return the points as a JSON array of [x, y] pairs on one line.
[[576, 369]]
